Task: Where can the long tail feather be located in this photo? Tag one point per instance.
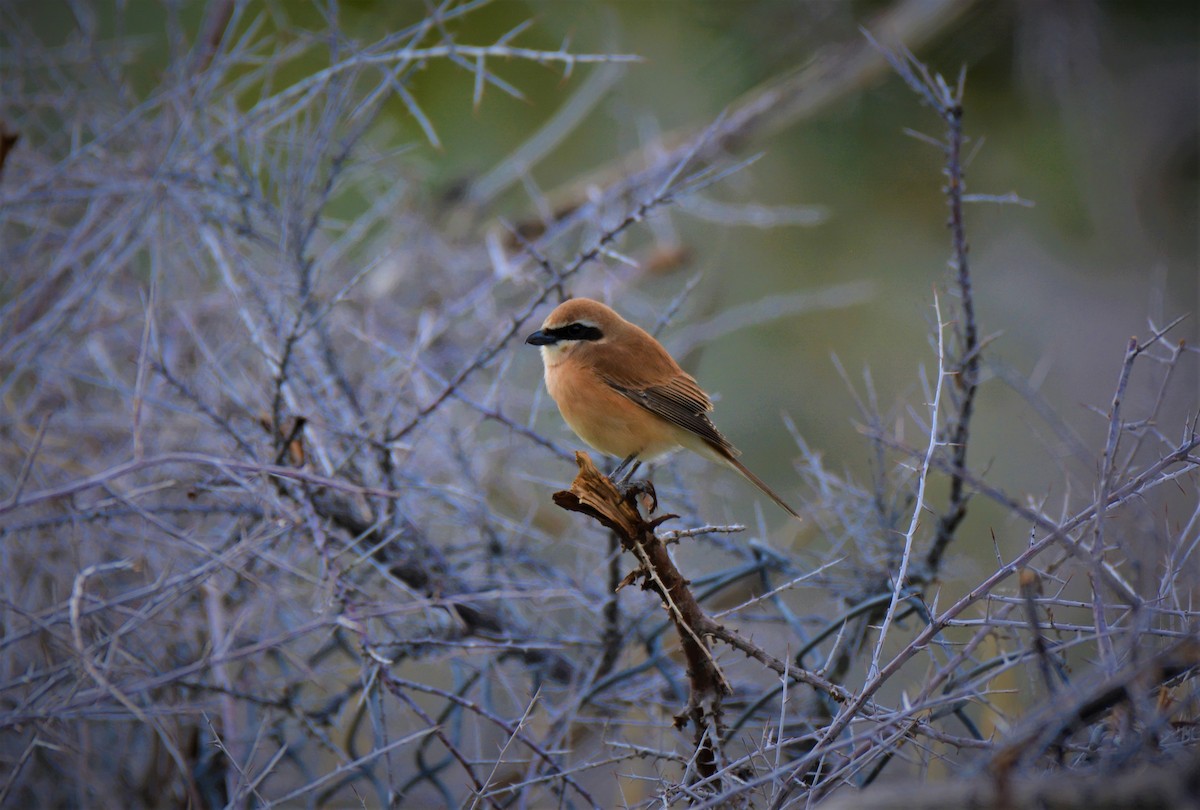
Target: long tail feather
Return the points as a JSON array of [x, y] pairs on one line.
[[758, 482]]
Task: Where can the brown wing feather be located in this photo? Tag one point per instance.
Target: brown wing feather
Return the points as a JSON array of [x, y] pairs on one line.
[[682, 403]]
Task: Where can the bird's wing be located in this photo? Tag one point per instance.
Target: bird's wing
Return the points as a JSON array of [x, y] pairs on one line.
[[681, 402]]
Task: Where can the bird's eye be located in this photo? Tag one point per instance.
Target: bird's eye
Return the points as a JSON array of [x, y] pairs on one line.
[[576, 331]]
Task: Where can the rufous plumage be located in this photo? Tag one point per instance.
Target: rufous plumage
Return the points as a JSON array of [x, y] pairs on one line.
[[623, 393]]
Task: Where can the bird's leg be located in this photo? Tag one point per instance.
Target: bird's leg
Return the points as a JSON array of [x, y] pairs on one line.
[[630, 459], [633, 468]]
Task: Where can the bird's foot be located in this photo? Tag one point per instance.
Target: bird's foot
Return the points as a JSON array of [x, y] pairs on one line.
[[641, 487]]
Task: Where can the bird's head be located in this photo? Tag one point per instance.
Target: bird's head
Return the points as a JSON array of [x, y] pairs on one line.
[[573, 325]]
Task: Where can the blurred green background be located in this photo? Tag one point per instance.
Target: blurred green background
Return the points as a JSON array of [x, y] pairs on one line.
[[1086, 109]]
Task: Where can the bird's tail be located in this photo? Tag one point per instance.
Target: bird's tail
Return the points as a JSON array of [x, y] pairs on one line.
[[732, 461]]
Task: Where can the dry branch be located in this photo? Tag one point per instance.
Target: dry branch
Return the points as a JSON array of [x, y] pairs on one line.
[[594, 495]]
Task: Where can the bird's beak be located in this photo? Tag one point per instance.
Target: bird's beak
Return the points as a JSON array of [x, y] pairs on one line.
[[540, 338]]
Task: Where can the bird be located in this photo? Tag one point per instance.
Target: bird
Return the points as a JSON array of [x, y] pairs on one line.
[[621, 392]]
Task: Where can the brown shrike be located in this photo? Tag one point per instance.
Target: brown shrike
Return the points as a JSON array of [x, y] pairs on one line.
[[620, 391]]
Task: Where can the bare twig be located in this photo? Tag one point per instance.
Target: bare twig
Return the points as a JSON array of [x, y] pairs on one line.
[[900, 581]]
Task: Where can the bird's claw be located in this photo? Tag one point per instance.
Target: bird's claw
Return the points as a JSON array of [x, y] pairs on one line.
[[632, 489]]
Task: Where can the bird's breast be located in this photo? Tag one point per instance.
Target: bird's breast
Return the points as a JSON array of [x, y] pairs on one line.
[[605, 419]]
